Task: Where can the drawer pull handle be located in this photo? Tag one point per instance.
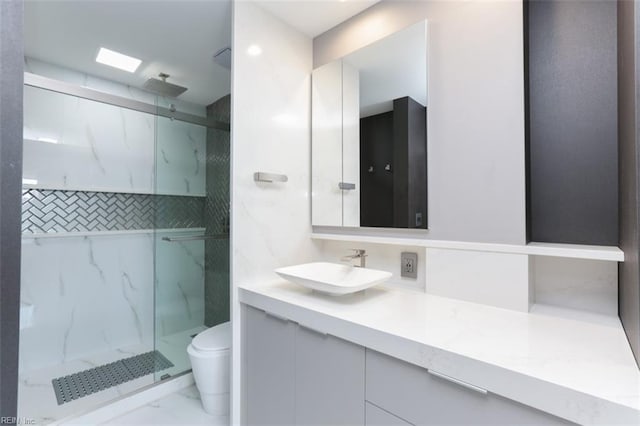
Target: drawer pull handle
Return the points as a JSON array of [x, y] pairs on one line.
[[458, 382]]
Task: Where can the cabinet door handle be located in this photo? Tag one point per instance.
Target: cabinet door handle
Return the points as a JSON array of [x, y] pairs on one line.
[[345, 186], [278, 317], [315, 330], [458, 382]]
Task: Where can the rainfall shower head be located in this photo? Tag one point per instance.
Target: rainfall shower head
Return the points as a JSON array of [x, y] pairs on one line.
[[162, 87]]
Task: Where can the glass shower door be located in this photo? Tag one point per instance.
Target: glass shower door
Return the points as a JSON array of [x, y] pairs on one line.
[[191, 236]]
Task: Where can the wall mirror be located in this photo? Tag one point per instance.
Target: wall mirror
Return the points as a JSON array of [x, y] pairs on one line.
[[369, 135]]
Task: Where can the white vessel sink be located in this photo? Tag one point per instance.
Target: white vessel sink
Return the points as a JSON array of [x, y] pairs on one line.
[[333, 278]]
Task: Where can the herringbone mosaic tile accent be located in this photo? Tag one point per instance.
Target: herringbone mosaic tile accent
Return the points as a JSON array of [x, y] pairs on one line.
[[216, 213], [45, 211], [179, 212]]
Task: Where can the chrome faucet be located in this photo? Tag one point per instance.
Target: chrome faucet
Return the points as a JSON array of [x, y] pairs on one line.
[[359, 254]]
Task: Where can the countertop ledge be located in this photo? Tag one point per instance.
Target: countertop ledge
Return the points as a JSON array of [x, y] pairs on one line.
[[576, 251], [582, 371]]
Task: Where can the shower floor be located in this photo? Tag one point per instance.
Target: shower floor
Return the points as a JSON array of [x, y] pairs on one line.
[[37, 399]]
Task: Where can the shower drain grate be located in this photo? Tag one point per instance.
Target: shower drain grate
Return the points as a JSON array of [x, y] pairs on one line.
[[83, 383]]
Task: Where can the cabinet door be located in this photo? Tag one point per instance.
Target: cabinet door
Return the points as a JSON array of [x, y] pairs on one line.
[[411, 393], [326, 144], [351, 144], [376, 416], [269, 357], [329, 380]]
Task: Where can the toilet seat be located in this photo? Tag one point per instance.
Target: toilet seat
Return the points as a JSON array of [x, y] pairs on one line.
[[214, 339]]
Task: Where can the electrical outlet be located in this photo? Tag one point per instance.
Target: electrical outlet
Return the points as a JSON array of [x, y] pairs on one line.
[[409, 264]]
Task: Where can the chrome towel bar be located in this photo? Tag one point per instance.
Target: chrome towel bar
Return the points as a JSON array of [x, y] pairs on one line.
[[269, 177], [196, 237]]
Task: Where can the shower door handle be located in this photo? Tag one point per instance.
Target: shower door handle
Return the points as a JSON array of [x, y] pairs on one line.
[[196, 238]]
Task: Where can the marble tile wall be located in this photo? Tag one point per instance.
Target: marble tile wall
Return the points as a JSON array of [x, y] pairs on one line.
[[271, 122], [91, 146], [96, 293], [90, 294], [271, 113], [181, 154], [98, 147], [179, 276]]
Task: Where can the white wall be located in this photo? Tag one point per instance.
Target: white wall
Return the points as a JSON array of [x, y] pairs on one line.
[[476, 109], [270, 132]]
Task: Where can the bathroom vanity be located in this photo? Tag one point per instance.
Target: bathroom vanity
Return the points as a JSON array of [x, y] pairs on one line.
[[400, 357]]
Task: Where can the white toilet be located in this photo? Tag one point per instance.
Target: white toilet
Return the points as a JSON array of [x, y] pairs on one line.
[[209, 354]]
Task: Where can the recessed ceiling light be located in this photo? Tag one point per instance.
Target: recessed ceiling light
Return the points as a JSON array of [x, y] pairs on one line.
[[254, 50], [48, 140], [117, 60]]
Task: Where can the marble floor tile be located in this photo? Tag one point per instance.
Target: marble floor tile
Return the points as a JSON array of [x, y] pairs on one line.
[[37, 400], [180, 408]]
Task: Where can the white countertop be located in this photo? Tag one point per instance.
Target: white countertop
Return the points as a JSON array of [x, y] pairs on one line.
[[581, 370]]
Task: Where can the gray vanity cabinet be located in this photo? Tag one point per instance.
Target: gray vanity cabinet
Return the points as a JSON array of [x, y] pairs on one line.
[[269, 377], [376, 416], [411, 393], [329, 380], [295, 375]]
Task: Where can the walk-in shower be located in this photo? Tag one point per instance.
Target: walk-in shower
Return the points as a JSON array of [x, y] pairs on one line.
[[125, 224], [125, 242]]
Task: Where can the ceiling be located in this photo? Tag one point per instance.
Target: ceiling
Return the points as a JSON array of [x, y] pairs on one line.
[[176, 37], [314, 17]]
